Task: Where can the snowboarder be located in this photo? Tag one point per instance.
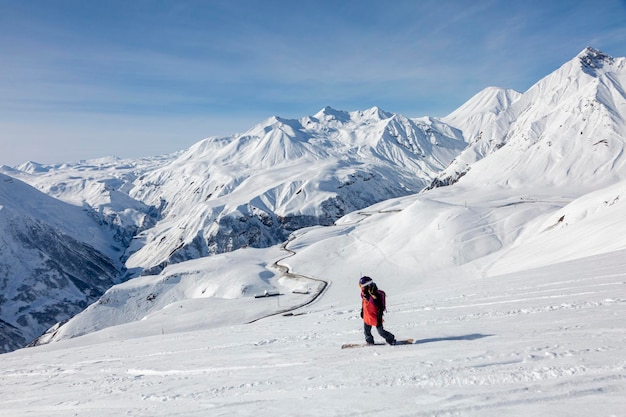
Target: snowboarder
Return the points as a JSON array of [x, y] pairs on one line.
[[373, 306]]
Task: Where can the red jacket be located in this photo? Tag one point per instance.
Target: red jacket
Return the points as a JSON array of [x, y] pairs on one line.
[[372, 310]]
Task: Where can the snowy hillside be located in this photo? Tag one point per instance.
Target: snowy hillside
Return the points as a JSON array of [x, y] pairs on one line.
[[253, 189], [481, 112], [101, 185], [248, 190], [505, 216], [543, 341], [567, 130], [511, 280], [55, 259]]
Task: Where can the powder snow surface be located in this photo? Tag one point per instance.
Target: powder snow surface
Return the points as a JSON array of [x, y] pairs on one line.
[[544, 341]]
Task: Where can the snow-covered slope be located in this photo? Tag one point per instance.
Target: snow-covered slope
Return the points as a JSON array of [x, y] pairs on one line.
[[253, 189], [99, 185], [55, 259], [543, 341], [481, 112], [511, 280], [567, 130], [469, 225], [248, 190]]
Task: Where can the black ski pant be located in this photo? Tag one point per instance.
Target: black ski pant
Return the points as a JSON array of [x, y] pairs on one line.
[[367, 329]]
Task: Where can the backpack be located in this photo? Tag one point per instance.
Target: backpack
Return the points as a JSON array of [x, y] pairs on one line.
[[383, 299]]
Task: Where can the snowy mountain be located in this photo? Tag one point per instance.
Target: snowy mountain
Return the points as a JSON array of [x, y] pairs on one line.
[[253, 189], [534, 197], [568, 129], [248, 190], [55, 259], [481, 112], [100, 185], [511, 278]]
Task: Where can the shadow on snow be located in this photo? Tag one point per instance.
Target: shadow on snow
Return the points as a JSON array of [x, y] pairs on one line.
[[473, 336]]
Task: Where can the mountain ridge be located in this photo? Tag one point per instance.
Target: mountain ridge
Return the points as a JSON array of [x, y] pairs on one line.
[[259, 188], [282, 175], [570, 106]]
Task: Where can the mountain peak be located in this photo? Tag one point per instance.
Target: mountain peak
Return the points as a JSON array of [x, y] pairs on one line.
[[377, 113], [328, 113], [592, 59]]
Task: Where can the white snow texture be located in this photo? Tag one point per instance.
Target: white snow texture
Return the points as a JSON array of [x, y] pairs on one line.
[[508, 268]]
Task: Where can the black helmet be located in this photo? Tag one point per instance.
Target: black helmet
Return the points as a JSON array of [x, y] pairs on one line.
[[365, 281]]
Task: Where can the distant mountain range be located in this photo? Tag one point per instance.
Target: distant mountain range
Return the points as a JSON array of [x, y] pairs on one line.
[[77, 229]]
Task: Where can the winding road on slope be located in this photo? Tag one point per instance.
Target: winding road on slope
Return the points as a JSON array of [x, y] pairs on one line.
[[285, 272]]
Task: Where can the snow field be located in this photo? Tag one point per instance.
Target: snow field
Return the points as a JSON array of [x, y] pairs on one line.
[[543, 342]]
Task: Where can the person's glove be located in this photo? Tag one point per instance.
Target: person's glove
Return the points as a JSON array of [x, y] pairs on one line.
[[361, 313]]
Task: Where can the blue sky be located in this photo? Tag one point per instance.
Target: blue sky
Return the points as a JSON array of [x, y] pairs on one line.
[[86, 79]]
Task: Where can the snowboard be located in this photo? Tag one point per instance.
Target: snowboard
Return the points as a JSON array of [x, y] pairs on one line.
[[355, 345]]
